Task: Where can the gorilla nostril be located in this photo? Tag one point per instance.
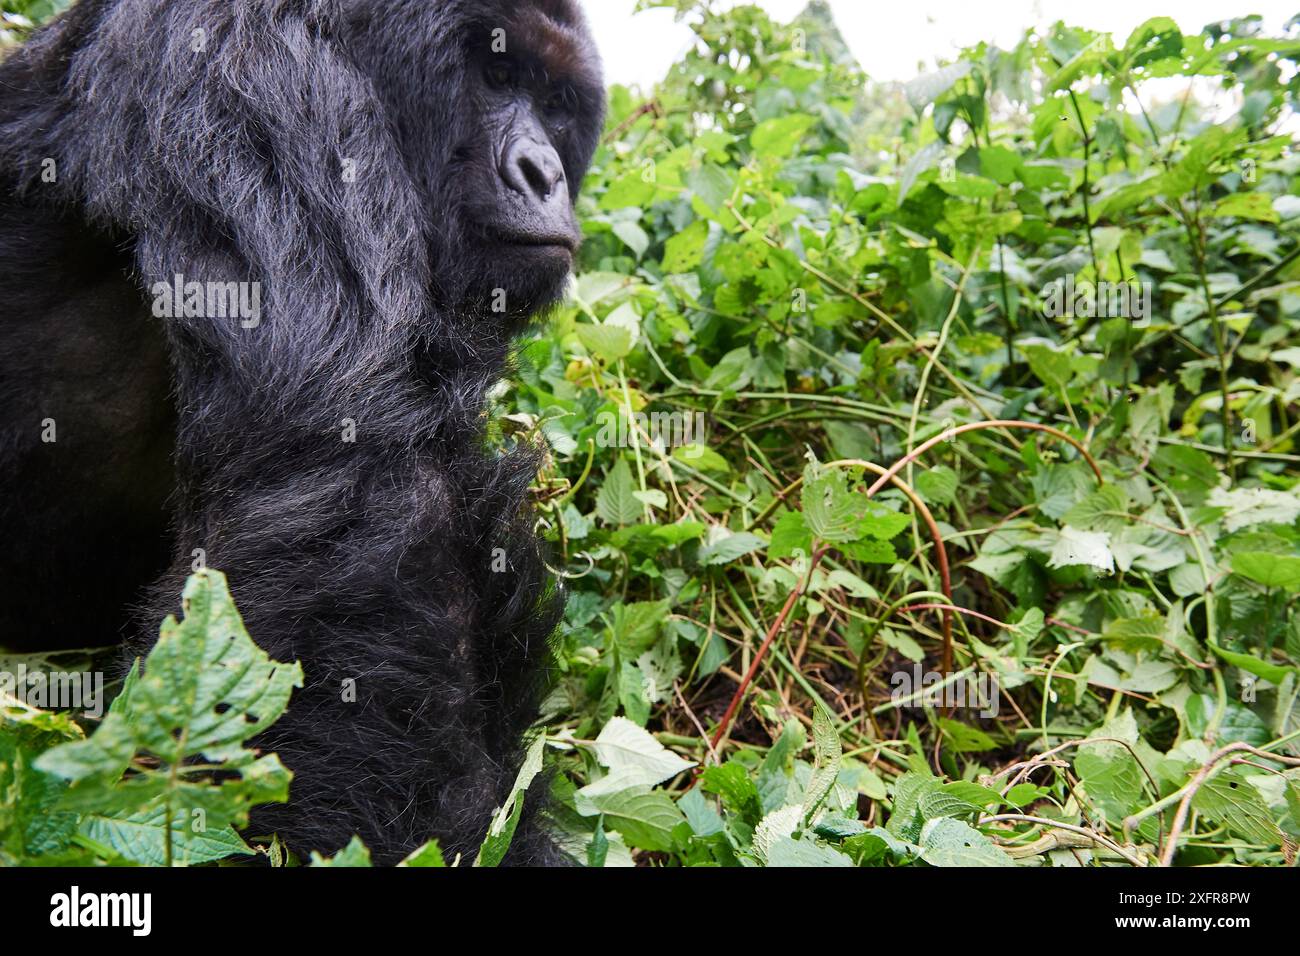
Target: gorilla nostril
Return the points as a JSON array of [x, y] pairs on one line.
[[533, 169]]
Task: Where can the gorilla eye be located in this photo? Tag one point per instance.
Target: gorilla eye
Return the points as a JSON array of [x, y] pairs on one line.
[[561, 100], [500, 74]]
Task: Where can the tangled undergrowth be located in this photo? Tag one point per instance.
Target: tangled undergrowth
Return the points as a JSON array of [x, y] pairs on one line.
[[931, 486]]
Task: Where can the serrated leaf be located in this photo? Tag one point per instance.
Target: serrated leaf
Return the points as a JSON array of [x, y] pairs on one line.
[[354, 855], [804, 854], [1248, 507], [826, 757], [203, 691], [1091, 548], [1105, 509], [829, 509], [1229, 799], [1271, 570], [726, 546], [1108, 770], [625, 748], [645, 817], [616, 501], [948, 842], [141, 838], [739, 794]]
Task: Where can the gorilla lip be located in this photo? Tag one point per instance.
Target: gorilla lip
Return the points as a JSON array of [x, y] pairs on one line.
[[567, 243]]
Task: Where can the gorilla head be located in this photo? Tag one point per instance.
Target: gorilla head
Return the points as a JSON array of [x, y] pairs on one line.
[[498, 105]]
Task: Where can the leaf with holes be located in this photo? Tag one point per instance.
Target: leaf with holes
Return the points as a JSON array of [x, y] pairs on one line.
[[828, 506], [1230, 799], [172, 745]]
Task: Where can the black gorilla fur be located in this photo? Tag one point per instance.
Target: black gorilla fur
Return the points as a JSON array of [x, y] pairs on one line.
[[368, 560]]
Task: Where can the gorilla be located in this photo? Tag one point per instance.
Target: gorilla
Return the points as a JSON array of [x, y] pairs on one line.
[[262, 262]]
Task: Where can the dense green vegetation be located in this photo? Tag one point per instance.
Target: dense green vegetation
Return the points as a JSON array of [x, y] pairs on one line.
[[817, 295]]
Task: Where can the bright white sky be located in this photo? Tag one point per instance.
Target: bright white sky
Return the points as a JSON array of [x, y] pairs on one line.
[[891, 38]]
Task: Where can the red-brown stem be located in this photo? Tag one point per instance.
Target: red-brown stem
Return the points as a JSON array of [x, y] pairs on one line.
[[772, 632], [891, 476]]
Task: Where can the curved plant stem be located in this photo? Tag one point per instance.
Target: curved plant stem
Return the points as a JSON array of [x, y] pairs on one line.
[[1211, 767], [981, 426], [887, 476], [941, 552]]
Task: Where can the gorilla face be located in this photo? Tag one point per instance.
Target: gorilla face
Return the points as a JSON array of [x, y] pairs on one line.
[[499, 161]]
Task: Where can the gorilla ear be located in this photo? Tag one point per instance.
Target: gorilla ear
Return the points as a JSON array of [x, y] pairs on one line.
[[256, 135]]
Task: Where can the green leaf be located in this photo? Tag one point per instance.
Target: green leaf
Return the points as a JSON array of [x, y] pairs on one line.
[[1157, 39], [142, 838], [1051, 367], [685, 250], [634, 756], [928, 87], [948, 842], [1109, 772], [701, 458], [636, 625], [786, 851], [612, 339], [789, 534], [615, 501], [938, 485], [204, 689], [1257, 206], [429, 855], [1229, 799], [1249, 507], [501, 830], [730, 546], [1271, 570], [645, 817], [1105, 509], [354, 855], [739, 795], [829, 509], [778, 137], [1075, 547], [827, 753], [31, 824], [634, 236]]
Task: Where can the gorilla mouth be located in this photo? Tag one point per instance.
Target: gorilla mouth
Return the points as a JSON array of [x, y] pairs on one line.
[[534, 240], [529, 238]]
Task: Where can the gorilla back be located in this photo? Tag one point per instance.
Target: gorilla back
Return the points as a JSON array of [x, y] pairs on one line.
[[263, 260]]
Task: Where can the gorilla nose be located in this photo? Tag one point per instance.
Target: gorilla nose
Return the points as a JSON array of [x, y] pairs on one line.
[[534, 169]]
